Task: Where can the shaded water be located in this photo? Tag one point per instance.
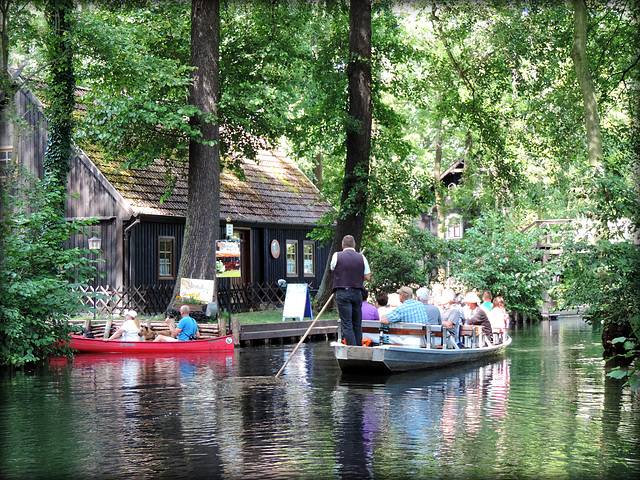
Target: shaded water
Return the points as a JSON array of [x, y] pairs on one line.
[[545, 411]]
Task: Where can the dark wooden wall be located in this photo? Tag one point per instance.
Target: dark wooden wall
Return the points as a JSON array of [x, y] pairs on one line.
[[266, 269], [30, 136], [274, 269], [109, 263], [144, 250]]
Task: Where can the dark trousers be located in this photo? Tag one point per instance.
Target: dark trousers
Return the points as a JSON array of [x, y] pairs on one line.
[[349, 301]]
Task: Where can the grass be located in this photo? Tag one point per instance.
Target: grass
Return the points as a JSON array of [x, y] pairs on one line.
[[270, 316]]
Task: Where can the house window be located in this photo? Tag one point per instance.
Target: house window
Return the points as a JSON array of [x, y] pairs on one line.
[[292, 258], [5, 157], [454, 227], [166, 258], [309, 259]]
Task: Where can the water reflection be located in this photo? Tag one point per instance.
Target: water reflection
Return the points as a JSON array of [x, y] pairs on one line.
[[425, 412], [544, 411]]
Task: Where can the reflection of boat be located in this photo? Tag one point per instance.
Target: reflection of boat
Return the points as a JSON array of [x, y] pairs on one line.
[[91, 359], [420, 347], [95, 345]]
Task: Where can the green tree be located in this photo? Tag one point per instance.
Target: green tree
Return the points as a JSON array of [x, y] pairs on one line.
[[60, 94], [353, 203], [38, 279], [580, 62], [203, 203], [494, 255]]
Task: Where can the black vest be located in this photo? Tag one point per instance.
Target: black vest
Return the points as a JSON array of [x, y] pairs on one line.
[[349, 271]]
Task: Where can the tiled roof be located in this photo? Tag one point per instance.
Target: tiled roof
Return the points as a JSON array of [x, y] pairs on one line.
[[275, 191]]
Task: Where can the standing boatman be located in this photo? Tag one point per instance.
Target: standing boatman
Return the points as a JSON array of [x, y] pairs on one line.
[[350, 270]]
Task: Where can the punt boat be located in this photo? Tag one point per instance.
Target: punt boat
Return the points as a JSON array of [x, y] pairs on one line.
[[403, 347], [97, 345]]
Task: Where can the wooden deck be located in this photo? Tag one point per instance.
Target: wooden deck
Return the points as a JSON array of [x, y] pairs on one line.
[[281, 332]]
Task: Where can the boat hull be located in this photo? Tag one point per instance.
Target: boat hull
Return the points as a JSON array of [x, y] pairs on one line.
[[94, 345], [397, 358]]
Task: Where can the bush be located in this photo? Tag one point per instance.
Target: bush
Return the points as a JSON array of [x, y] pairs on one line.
[[38, 275], [405, 257], [494, 255]]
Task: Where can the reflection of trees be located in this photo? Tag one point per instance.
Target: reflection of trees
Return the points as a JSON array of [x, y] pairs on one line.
[[278, 424], [358, 419]]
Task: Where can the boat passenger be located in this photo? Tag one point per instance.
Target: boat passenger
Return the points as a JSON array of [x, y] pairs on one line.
[[409, 310], [466, 311], [382, 302], [436, 294], [498, 316], [129, 329], [453, 317], [433, 312], [187, 328], [487, 301], [478, 315], [369, 312]]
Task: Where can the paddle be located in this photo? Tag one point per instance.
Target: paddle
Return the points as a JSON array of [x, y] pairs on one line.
[[305, 334]]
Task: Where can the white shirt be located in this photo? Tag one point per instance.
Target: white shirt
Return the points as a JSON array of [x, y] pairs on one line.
[[130, 333], [334, 261], [384, 310]]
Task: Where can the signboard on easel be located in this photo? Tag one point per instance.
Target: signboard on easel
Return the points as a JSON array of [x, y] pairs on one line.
[[297, 302], [196, 289]]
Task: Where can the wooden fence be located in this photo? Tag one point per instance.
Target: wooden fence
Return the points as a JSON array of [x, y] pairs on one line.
[[154, 299]]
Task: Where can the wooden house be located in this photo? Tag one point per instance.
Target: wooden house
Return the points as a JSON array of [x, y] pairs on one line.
[[454, 223], [141, 236]]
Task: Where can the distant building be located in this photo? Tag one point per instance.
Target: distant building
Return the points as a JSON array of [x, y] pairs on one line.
[[455, 224]]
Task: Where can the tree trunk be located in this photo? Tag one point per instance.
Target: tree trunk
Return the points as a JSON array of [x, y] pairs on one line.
[[5, 78], [198, 259], [581, 66], [61, 98], [353, 204], [437, 172]]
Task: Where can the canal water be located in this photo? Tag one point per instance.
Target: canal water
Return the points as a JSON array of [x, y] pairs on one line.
[[545, 411]]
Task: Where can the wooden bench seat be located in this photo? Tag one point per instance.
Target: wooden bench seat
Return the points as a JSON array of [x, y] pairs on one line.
[[413, 334], [472, 336]]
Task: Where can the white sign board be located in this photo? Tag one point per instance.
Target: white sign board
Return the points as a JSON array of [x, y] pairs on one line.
[[297, 303], [198, 289]]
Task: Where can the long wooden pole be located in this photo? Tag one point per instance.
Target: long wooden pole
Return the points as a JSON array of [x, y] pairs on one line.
[[305, 334]]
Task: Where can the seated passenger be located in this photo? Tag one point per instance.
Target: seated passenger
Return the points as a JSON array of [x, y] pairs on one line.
[[409, 310], [129, 328], [498, 316], [382, 302], [478, 314], [453, 317], [487, 301], [433, 312], [369, 312], [187, 328], [436, 294]]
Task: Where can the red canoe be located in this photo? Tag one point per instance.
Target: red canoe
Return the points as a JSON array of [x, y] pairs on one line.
[[97, 345]]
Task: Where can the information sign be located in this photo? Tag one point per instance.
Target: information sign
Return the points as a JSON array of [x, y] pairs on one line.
[[228, 258], [201, 290], [297, 303]]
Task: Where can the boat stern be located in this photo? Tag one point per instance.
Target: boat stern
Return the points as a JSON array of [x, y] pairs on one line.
[[355, 358]]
